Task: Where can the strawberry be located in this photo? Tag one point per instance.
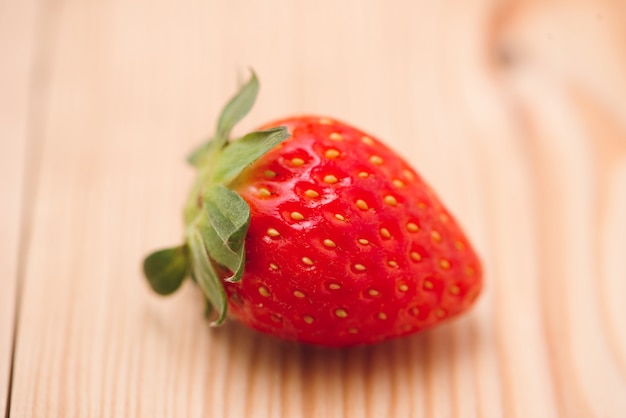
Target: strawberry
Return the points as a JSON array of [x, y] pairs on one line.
[[312, 230]]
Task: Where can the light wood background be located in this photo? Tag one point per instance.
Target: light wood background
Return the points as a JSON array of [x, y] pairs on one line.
[[515, 111]]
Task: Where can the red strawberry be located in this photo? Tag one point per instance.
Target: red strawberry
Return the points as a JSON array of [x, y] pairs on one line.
[[342, 241]]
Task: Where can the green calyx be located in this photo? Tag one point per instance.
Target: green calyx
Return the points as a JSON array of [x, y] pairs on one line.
[[216, 217]]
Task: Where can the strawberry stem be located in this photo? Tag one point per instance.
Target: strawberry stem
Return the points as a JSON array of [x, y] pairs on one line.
[[216, 218]]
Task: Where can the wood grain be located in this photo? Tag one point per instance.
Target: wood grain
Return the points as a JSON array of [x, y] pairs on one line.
[[564, 104], [17, 35], [514, 111]]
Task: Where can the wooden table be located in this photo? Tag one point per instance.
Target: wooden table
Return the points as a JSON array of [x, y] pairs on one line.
[[514, 111]]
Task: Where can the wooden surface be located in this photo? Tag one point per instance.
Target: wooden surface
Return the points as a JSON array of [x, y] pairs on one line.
[[515, 111]]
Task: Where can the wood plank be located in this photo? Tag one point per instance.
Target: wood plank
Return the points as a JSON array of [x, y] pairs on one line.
[[111, 189], [569, 92], [133, 85], [17, 32]]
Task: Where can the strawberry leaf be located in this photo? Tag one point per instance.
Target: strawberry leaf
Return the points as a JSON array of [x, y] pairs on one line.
[[166, 269], [236, 109], [238, 269], [224, 228], [222, 253], [228, 214], [241, 153], [207, 278], [233, 112], [201, 153]]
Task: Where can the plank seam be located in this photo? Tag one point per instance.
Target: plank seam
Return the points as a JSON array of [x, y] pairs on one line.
[[38, 95]]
